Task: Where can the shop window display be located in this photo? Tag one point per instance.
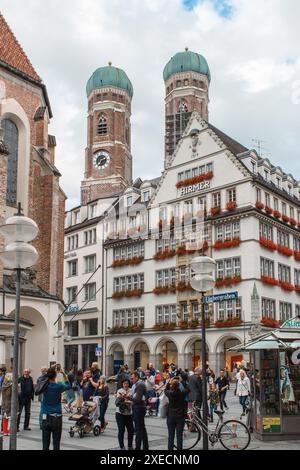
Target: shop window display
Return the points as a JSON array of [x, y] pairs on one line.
[[290, 382]]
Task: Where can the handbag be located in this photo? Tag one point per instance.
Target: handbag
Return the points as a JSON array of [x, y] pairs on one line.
[[41, 386], [163, 405]]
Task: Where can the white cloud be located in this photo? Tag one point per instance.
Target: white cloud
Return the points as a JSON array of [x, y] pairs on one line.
[[254, 59]]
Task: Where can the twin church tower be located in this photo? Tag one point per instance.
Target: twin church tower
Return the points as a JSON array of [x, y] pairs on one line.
[[108, 160]]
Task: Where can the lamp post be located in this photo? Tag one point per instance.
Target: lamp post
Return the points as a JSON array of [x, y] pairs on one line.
[[18, 255], [203, 280]]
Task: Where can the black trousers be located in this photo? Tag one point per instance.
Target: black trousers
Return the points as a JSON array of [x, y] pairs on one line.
[[24, 403], [125, 422], [222, 399], [175, 424], [141, 435], [102, 410], [52, 426]]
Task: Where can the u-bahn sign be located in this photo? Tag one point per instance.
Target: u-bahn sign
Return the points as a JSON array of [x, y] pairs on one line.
[[208, 299]]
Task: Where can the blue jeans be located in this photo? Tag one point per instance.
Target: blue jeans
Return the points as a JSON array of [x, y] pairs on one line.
[[212, 408], [70, 396], [243, 402]]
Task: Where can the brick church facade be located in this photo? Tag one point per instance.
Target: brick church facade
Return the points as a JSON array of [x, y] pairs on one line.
[[29, 175]]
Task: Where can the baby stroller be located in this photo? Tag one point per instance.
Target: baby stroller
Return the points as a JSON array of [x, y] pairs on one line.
[[151, 406], [85, 419]]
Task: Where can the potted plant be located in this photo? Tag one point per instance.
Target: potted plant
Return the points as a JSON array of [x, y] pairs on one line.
[[231, 206], [259, 205], [215, 210]]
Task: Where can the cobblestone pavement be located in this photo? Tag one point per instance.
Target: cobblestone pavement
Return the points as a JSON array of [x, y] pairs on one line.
[[156, 427]]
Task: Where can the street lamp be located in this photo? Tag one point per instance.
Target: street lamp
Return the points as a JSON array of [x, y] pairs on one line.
[[17, 255], [203, 280]]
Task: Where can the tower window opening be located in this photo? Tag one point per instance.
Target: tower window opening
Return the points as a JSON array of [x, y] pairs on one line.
[[183, 108], [102, 126]]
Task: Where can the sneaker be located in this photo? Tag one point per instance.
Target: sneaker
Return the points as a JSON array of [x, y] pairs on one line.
[[27, 429], [226, 408]]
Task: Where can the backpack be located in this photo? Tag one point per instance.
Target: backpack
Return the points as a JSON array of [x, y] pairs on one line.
[[41, 386]]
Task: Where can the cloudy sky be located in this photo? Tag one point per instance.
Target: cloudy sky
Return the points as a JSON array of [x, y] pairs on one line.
[[252, 48]]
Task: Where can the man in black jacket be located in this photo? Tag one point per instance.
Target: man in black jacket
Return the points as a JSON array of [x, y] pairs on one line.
[[139, 393], [26, 395], [195, 386]]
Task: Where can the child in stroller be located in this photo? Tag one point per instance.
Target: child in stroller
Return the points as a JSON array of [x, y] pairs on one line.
[[85, 419]]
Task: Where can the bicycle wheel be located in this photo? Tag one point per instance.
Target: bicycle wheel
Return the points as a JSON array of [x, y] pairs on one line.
[[191, 435], [234, 435]]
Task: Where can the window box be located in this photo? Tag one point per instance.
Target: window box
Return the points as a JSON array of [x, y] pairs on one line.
[[270, 280], [259, 205], [286, 286], [293, 222], [268, 210], [277, 214], [270, 322], [183, 286], [161, 256], [128, 262], [284, 250], [227, 281], [269, 244], [285, 218], [231, 206], [297, 255], [229, 243], [195, 180], [215, 210], [117, 330], [163, 290], [165, 327], [128, 293], [228, 323]]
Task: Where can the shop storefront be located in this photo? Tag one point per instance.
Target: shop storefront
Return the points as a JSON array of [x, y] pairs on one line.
[[275, 359]]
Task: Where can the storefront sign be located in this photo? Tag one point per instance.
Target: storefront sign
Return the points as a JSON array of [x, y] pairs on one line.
[[208, 299], [98, 351], [291, 324], [272, 424], [195, 188], [72, 309]]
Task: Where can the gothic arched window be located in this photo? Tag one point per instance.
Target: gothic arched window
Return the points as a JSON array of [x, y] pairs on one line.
[[11, 138], [183, 108], [102, 126]]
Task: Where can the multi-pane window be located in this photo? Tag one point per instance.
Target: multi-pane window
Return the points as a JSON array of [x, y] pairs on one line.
[[267, 268], [267, 199], [296, 243], [231, 195], [72, 294], [230, 267], [216, 200], [90, 237], [76, 217], [285, 311], [297, 277], [90, 263], [195, 310], [73, 329], [228, 231], [129, 251], [284, 273], [93, 211], [276, 204], [258, 194], [188, 207], [72, 268], [166, 277], [283, 208], [90, 291], [184, 274], [229, 309], [146, 196], [165, 314], [283, 238], [91, 327], [165, 244], [297, 311], [196, 171], [266, 231], [11, 139], [102, 126], [129, 201], [268, 307], [73, 242], [127, 283], [184, 312], [129, 317], [292, 213]]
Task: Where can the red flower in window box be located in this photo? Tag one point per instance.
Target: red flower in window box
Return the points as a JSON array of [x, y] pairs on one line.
[[184, 325], [270, 280], [287, 286], [228, 323], [231, 206], [215, 210], [293, 222], [181, 250], [259, 205], [297, 255], [183, 286], [135, 260], [195, 180], [161, 256], [268, 210], [284, 250], [270, 322], [229, 243], [285, 218], [277, 214], [268, 244], [160, 290]]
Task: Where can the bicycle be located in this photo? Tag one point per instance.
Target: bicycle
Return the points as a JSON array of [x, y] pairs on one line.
[[232, 434]]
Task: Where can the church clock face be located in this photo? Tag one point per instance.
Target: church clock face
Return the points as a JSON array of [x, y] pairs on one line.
[[101, 160]]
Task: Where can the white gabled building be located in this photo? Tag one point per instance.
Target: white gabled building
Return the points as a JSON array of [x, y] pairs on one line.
[[214, 196]]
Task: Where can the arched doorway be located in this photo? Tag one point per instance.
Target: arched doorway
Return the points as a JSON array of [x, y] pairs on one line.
[[193, 353], [141, 354], [166, 353], [116, 358], [224, 357]]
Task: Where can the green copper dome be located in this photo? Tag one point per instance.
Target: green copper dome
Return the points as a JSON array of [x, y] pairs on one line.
[[186, 61], [109, 76]]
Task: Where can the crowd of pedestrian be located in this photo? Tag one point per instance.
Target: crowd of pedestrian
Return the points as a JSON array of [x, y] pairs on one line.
[[168, 394]]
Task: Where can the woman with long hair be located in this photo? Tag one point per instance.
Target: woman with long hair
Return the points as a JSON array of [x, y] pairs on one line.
[[102, 391], [124, 414], [176, 392]]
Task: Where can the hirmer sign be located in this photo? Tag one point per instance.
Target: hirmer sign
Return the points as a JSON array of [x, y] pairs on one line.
[[195, 188]]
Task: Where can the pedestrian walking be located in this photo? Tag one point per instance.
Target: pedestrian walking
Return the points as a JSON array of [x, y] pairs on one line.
[[243, 390], [70, 393], [139, 393], [41, 378], [214, 399], [122, 375], [222, 383], [88, 389], [52, 409], [96, 372], [26, 396], [124, 414], [195, 385], [176, 412], [6, 392], [102, 391]]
